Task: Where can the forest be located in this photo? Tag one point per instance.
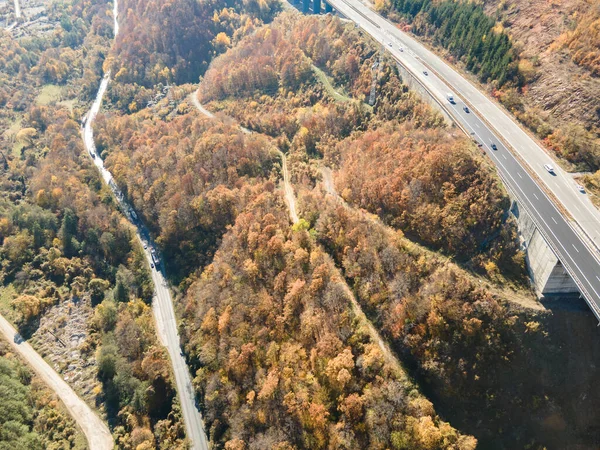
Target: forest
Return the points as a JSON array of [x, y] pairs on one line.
[[30, 414], [468, 33]]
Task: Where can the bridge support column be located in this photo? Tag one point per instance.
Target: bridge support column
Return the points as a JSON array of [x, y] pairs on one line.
[[317, 6], [548, 274], [305, 6], [328, 8]]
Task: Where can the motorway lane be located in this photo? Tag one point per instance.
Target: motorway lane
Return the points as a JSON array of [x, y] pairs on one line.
[[567, 244], [563, 187]]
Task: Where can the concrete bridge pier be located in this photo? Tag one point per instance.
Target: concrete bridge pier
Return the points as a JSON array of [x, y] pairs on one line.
[[305, 6], [316, 6], [549, 276], [328, 8]]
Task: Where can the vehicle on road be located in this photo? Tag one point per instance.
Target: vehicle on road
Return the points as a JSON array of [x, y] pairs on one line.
[[581, 189], [152, 265], [425, 73], [401, 49], [145, 246], [155, 259], [549, 168], [450, 97], [390, 44], [493, 145], [466, 109]]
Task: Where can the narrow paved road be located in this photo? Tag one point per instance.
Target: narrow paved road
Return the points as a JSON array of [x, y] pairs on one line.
[[520, 162], [162, 305], [95, 430]]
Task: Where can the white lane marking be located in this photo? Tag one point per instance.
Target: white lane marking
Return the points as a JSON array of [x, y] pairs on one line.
[[598, 277], [575, 248], [536, 196], [519, 173], [477, 124], [567, 255], [504, 156], [554, 220]]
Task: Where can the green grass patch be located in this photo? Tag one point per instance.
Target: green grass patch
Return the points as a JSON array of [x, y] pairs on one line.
[[7, 294], [337, 94], [49, 93], [15, 127]]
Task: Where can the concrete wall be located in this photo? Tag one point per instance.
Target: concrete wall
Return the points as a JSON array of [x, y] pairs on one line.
[[548, 275]]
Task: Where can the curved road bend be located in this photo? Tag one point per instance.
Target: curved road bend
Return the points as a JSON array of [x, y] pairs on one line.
[[95, 430], [162, 305], [572, 249]]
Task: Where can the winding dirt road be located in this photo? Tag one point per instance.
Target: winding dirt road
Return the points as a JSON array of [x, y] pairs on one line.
[[95, 430], [288, 191]]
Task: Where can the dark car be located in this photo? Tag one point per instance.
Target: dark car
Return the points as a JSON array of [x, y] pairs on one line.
[[494, 146], [425, 73], [466, 108]]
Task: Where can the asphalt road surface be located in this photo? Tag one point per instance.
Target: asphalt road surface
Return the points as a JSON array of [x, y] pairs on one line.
[[574, 248], [95, 430]]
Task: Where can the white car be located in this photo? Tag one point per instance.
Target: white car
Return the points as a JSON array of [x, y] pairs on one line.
[[581, 189], [390, 44], [549, 168]]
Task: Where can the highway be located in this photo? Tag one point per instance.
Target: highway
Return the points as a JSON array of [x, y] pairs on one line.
[[524, 174], [162, 304], [95, 430]]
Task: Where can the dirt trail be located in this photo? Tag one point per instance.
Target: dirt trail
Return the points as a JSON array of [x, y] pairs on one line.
[[515, 297], [287, 187], [96, 432], [290, 199]]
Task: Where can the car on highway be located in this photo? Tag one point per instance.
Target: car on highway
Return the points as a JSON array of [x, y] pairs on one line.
[[581, 189], [466, 109], [425, 73], [152, 265], [549, 168], [493, 145], [390, 44], [401, 49], [145, 245], [450, 97]]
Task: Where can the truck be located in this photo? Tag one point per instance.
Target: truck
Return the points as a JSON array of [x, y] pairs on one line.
[[155, 259], [450, 97]]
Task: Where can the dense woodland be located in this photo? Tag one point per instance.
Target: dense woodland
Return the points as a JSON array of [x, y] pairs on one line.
[[173, 42], [282, 360], [63, 239]]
